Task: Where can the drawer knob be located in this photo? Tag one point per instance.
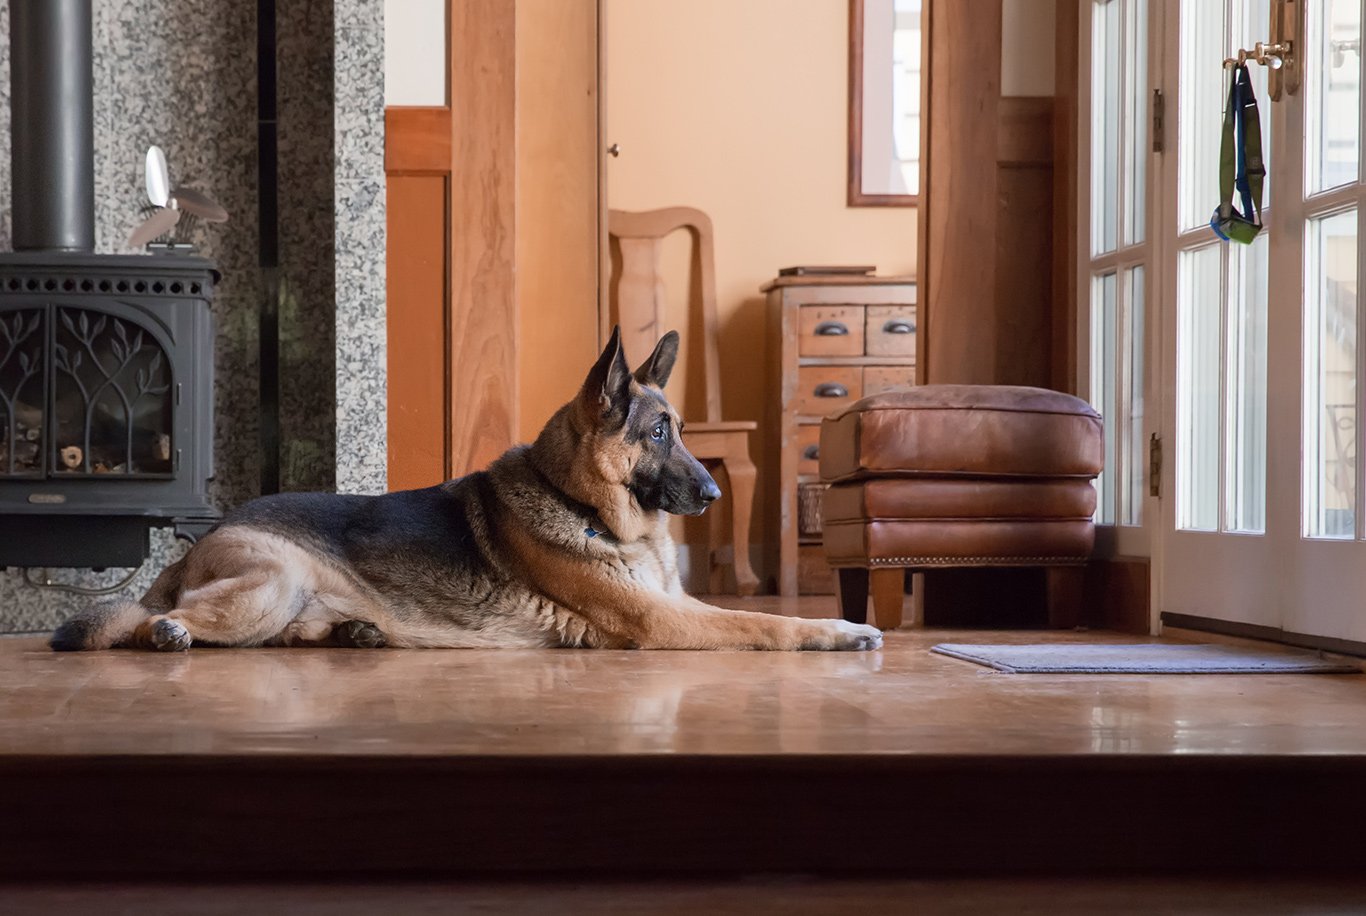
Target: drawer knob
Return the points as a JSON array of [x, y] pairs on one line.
[[831, 329], [831, 390], [898, 326], [812, 453]]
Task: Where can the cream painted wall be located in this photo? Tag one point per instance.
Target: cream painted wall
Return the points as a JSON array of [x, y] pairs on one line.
[[739, 109], [414, 52]]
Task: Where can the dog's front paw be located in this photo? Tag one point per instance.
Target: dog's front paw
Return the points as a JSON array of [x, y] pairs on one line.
[[170, 636], [843, 636]]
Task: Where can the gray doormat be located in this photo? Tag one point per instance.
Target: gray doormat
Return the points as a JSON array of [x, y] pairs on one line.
[[1141, 658]]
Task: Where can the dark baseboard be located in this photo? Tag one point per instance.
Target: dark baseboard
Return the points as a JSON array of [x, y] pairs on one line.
[[1267, 634]]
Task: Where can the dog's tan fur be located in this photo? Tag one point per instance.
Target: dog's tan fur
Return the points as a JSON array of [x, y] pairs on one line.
[[550, 546]]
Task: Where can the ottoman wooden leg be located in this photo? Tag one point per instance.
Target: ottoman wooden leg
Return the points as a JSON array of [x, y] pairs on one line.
[[1066, 593], [852, 587], [889, 591]]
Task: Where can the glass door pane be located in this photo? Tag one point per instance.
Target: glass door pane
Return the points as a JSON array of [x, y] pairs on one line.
[[1202, 94], [1106, 56], [1330, 376], [1104, 388], [1135, 120], [1199, 312], [1333, 87], [1246, 407]]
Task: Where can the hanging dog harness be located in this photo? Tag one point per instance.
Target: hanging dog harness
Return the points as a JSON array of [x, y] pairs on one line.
[[1240, 164]]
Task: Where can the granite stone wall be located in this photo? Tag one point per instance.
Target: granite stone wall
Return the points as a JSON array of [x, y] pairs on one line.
[[183, 76]]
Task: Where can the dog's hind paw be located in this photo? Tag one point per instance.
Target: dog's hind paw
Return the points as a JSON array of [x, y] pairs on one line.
[[170, 636], [360, 634], [843, 636]]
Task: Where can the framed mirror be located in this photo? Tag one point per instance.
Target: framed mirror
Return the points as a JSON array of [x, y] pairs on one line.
[[885, 53]]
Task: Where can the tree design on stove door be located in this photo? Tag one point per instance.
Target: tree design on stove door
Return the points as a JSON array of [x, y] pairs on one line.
[[113, 416], [21, 367]]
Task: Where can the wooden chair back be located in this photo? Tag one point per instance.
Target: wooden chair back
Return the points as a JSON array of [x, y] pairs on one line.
[[637, 301]]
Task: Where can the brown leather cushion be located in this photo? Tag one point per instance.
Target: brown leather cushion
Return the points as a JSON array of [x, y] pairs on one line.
[[928, 522], [959, 498], [963, 430], [920, 543]]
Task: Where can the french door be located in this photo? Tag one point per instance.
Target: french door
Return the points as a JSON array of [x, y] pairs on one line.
[[1261, 517]]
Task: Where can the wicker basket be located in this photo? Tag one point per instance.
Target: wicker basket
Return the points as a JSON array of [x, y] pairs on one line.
[[809, 499]]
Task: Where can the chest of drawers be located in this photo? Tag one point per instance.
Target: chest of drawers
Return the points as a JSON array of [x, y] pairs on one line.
[[832, 340]]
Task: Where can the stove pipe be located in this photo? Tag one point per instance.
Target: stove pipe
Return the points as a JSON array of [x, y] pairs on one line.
[[52, 125]]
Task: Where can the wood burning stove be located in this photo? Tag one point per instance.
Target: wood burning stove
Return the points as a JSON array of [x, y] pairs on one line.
[[106, 361]]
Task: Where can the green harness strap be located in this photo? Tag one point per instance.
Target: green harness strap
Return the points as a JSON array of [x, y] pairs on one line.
[[1240, 164]]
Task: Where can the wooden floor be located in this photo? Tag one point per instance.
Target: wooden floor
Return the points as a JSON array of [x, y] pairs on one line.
[[901, 700], [568, 760]]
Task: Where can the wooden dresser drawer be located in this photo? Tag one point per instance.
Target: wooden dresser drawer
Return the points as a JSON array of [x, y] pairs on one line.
[[808, 449], [831, 330], [877, 379], [824, 389], [891, 330]]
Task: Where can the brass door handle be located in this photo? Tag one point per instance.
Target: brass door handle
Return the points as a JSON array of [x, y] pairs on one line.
[[831, 390], [831, 329], [898, 326]]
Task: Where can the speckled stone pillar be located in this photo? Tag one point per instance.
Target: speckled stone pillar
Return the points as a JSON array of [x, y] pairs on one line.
[[359, 143]]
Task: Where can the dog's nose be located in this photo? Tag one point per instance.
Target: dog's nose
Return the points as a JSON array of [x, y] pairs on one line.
[[710, 492]]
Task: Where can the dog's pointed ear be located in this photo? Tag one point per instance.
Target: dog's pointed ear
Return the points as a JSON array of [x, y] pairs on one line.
[[656, 370], [606, 393]]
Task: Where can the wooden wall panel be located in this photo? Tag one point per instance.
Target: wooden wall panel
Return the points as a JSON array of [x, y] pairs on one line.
[[987, 215], [959, 206], [1065, 152], [1022, 317], [417, 140], [417, 331], [557, 204], [483, 328], [494, 237]]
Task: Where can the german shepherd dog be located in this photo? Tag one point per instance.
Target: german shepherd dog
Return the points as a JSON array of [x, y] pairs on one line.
[[561, 543]]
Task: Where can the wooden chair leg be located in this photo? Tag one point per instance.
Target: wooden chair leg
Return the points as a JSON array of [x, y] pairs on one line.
[[851, 585], [889, 591], [1066, 587], [740, 473], [716, 540]]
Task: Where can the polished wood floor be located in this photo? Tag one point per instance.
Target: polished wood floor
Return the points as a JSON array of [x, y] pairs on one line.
[[901, 700], [350, 764]]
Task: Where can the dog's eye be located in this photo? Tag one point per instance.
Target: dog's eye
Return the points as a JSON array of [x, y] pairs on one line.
[[657, 433]]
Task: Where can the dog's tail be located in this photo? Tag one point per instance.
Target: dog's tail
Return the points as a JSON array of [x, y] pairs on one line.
[[113, 623]]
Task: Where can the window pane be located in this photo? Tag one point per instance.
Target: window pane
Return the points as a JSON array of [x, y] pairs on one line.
[[1106, 55], [1131, 433], [1203, 92], [1246, 410], [1333, 71], [1253, 17], [1135, 118], [1330, 358], [1199, 304], [1103, 388]]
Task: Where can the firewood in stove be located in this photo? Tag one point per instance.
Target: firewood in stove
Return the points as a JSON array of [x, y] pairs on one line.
[[72, 457]]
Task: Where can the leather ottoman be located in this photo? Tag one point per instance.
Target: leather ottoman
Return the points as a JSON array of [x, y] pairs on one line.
[[958, 476]]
